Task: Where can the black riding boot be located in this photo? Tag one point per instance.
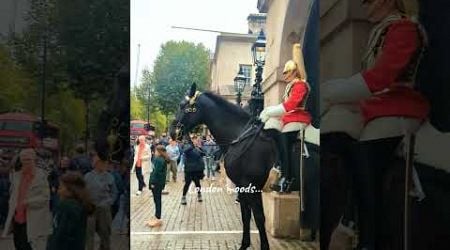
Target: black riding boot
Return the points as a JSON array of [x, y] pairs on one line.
[[285, 141], [337, 156], [372, 159]]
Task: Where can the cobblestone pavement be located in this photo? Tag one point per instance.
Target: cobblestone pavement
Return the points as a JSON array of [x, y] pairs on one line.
[[118, 242], [214, 223]]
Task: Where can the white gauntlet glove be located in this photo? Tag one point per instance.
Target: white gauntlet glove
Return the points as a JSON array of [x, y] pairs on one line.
[[272, 111], [347, 90]]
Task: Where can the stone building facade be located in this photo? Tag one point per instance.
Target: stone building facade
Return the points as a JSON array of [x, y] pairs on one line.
[[231, 52], [285, 25]]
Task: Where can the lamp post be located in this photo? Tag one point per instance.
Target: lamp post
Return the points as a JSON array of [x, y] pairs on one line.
[[44, 75], [239, 85], [148, 104], [258, 54]]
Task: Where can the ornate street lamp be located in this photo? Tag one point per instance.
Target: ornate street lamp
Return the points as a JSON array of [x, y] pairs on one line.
[[239, 85], [259, 57]]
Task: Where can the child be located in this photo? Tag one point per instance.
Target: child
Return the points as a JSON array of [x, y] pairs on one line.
[[70, 221], [158, 181]]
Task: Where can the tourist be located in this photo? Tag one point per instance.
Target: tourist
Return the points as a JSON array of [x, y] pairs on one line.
[[193, 168], [55, 174], [29, 218], [70, 220], [157, 182], [174, 153], [103, 192], [142, 154], [80, 162], [209, 147], [115, 170]]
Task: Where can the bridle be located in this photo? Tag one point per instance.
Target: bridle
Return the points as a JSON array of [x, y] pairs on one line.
[[190, 108]]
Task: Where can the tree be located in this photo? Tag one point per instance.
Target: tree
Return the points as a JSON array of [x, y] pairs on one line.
[[176, 67], [69, 116], [85, 43], [137, 111], [95, 40], [159, 120], [17, 88]]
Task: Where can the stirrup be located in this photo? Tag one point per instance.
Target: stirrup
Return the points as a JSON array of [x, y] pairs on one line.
[[289, 185]]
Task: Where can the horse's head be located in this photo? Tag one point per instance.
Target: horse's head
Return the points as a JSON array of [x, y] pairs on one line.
[[188, 115]]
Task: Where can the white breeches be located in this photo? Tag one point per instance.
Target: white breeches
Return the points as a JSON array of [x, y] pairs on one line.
[[312, 134], [347, 118]]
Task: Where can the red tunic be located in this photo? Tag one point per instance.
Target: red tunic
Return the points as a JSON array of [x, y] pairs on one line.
[[401, 44], [293, 104]]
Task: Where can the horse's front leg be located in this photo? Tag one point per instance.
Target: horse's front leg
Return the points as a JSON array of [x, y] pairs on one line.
[[246, 216], [258, 213]]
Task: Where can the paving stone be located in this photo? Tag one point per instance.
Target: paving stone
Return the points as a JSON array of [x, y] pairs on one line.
[[214, 223]]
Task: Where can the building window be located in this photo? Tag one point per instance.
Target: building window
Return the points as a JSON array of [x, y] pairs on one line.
[[247, 71]]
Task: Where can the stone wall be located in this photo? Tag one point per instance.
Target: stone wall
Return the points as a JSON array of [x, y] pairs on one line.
[[285, 25], [231, 50], [343, 37]]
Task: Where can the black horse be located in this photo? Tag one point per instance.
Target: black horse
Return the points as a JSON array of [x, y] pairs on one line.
[[248, 169]]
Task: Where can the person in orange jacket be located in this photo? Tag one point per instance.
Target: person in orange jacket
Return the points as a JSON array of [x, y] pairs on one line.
[[288, 117], [368, 114]]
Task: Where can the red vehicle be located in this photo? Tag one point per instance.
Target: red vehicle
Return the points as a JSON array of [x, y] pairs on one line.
[[23, 130], [139, 127]]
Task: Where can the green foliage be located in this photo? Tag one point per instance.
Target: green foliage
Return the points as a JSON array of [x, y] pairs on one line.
[[137, 108], [41, 34], [177, 66], [95, 39], [70, 116], [146, 91], [86, 43], [138, 111], [17, 88], [159, 120]]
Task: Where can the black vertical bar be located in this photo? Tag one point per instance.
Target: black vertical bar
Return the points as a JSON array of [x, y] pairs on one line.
[[407, 201]]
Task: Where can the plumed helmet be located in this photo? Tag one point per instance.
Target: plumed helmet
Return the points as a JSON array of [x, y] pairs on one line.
[[290, 66], [409, 7]]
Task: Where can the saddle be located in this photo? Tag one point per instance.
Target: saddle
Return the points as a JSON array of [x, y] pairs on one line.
[[240, 146]]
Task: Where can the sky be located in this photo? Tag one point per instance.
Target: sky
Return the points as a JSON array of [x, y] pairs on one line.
[[151, 22]]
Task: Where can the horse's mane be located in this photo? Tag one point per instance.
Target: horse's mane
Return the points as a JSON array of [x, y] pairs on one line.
[[227, 105]]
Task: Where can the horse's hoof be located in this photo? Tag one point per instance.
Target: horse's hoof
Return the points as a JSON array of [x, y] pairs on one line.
[[244, 246], [265, 247]]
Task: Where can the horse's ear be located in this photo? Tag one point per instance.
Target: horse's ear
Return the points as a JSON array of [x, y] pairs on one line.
[[193, 89]]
